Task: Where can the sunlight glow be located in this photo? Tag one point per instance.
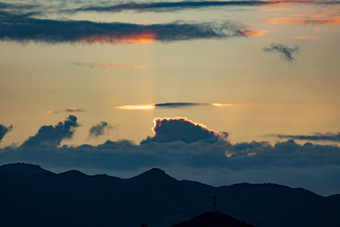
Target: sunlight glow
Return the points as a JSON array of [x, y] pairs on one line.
[[137, 38], [137, 107], [220, 104]]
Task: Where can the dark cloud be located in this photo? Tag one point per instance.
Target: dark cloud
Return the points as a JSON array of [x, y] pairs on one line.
[[16, 7], [53, 135], [180, 129], [168, 6], [4, 130], [100, 129], [182, 5], [332, 137], [180, 104], [21, 28], [286, 52]]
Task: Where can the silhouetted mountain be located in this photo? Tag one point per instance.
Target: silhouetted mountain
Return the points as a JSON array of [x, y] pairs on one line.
[[213, 219], [31, 196], [23, 168]]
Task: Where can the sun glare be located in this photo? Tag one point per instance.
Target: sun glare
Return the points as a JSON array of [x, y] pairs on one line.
[[220, 104], [137, 107]]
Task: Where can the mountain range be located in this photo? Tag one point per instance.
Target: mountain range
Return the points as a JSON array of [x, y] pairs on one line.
[[33, 196]]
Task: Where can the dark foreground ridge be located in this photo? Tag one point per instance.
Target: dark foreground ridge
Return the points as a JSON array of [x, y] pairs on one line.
[[32, 196], [213, 219]]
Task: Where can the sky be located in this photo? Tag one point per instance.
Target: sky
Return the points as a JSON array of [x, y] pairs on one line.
[[220, 92]]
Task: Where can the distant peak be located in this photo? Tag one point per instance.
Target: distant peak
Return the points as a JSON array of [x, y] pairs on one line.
[[73, 172], [23, 168], [156, 171], [154, 174]]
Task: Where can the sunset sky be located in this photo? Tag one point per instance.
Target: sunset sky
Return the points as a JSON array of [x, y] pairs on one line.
[[243, 71]]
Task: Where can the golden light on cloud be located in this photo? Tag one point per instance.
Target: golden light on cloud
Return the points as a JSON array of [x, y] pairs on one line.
[[137, 38], [251, 32], [137, 107], [169, 105], [51, 112], [74, 109]]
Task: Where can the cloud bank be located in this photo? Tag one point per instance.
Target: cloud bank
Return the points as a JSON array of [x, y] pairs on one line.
[[22, 28], [286, 52], [187, 150]]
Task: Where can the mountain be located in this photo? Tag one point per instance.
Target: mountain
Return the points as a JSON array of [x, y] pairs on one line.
[[22, 168], [32, 196]]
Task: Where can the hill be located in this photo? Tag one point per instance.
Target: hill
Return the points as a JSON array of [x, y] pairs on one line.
[[32, 196]]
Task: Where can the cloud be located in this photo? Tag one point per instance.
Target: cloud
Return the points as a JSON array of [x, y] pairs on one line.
[[100, 129], [169, 105], [4, 130], [332, 137], [286, 52], [188, 150], [168, 6], [304, 37], [251, 32], [53, 135], [22, 28], [320, 17], [16, 7], [51, 112], [288, 20], [181, 129], [184, 5], [74, 109]]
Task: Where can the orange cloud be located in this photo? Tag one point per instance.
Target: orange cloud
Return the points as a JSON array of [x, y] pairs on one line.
[[274, 9], [251, 32], [51, 112], [289, 20], [327, 16], [74, 109], [138, 38], [112, 65], [304, 37]]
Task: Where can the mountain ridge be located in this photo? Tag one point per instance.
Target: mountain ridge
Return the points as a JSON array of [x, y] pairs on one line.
[[152, 197]]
